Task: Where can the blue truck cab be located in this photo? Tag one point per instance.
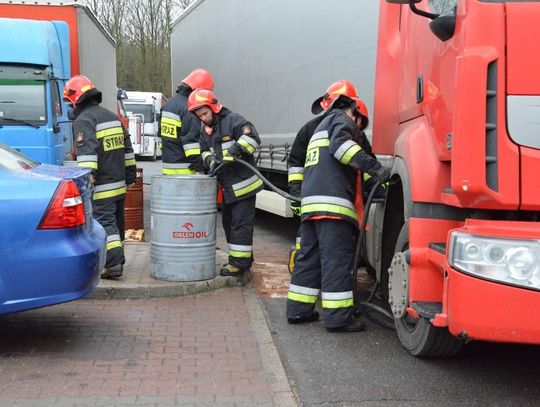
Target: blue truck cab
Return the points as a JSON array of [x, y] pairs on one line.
[[34, 66]]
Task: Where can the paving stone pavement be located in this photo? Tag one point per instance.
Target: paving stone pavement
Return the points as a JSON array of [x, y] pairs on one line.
[[153, 342], [206, 349], [137, 282]]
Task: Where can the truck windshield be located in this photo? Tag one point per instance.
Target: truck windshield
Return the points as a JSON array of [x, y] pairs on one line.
[[146, 110], [22, 100]]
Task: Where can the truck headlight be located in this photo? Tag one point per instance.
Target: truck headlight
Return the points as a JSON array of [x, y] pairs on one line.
[[505, 260]]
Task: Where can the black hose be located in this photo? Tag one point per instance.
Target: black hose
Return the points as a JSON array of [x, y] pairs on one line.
[[362, 232], [387, 320], [377, 314], [364, 307], [262, 177]]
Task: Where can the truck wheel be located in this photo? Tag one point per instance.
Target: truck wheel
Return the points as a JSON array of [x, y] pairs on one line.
[[418, 336]]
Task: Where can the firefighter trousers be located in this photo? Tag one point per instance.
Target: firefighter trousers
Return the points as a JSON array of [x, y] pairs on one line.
[[110, 214], [324, 267], [238, 222]]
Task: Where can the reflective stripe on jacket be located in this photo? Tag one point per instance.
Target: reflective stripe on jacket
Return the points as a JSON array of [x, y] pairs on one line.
[[179, 132], [103, 145], [297, 155], [232, 134], [333, 157]]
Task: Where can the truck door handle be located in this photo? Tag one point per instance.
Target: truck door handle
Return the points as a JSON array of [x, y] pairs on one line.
[[419, 88]]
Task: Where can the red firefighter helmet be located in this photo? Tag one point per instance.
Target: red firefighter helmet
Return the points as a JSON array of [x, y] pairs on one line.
[[335, 90], [362, 110], [77, 86], [203, 97], [199, 79]]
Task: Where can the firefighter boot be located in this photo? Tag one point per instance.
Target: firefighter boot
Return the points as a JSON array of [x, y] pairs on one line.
[[112, 272], [230, 270], [314, 316], [353, 326]]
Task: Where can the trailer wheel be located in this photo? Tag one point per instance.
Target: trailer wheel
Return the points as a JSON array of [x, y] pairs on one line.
[[154, 156], [418, 336]]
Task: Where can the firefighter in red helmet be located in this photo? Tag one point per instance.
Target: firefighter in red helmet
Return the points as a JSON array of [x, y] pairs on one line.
[[226, 136], [297, 155], [329, 220], [179, 129], [104, 146]]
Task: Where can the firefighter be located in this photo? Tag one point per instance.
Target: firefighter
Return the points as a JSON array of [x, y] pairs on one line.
[[179, 129], [329, 219], [226, 136], [103, 145], [297, 155]]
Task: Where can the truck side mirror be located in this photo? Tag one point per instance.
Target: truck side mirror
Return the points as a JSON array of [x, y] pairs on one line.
[[443, 26], [56, 128], [415, 10]]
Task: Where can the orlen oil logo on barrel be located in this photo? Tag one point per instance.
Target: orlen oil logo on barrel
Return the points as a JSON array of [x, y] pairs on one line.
[[188, 233]]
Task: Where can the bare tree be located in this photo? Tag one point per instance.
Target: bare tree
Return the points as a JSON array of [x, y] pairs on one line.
[[183, 3], [142, 30]]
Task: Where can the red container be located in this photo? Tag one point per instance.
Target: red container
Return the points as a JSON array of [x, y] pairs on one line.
[[134, 213]]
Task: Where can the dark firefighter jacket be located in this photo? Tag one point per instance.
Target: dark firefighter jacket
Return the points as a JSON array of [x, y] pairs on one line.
[[179, 132], [297, 156], [103, 145], [333, 157], [233, 135]]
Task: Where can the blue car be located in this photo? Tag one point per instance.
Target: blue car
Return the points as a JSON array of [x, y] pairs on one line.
[[51, 248]]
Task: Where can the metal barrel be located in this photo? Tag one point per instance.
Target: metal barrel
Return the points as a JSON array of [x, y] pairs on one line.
[[134, 211], [183, 227]]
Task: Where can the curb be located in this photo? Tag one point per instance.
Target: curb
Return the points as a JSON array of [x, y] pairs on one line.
[[276, 376], [138, 284], [180, 289]]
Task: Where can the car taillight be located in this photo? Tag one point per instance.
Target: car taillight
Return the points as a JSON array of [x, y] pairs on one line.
[[66, 209]]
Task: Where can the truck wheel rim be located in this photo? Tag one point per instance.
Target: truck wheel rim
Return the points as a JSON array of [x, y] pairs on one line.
[[398, 285]]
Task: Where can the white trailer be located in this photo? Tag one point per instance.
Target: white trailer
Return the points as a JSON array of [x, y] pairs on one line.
[[146, 105], [272, 59], [135, 128]]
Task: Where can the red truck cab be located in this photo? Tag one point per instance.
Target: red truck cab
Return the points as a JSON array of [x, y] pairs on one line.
[[456, 245]]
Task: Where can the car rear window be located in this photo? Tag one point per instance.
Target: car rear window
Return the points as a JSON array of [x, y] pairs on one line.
[[13, 160]]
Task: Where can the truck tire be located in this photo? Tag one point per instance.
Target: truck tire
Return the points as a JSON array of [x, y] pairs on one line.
[[418, 336]]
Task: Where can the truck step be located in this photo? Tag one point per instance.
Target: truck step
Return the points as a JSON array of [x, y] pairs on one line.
[[134, 235], [427, 309], [438, 247]]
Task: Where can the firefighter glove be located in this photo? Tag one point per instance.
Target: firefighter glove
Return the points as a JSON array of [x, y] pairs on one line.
[[131, 175], [383, 174], [211, 163], [295, 207], [235, 150], [130, 180], [196, 164]]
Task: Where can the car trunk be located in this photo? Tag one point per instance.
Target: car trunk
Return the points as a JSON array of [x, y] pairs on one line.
[[81, 177]]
